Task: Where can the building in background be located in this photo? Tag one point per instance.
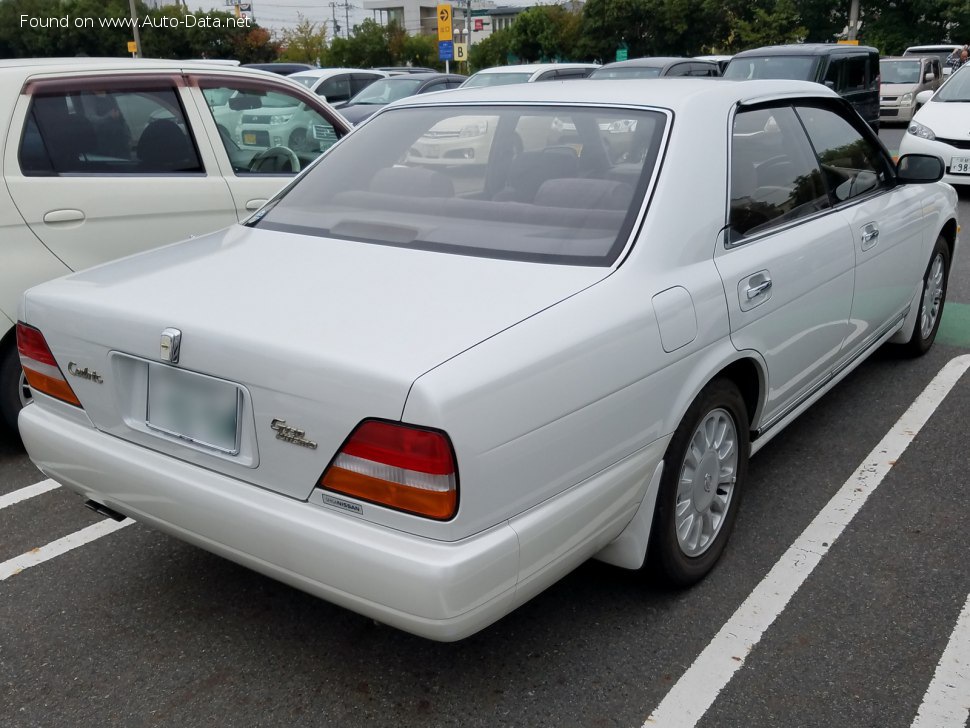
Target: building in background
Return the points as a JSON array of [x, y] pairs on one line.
[[420, 17]]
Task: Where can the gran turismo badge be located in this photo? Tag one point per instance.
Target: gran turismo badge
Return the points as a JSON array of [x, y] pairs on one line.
[[290, 434], [171, 343], [92, 376]]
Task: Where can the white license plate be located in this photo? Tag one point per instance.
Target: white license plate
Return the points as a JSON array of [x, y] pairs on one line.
[[960, 165], [194, 407]]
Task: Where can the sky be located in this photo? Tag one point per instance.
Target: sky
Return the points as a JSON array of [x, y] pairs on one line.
[[278, 14]]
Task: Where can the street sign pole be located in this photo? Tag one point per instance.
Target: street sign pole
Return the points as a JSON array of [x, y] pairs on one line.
[[446, 49]]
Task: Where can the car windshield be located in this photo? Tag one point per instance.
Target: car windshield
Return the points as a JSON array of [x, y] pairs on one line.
[[798, 68], [956, 89], [626, 72], [899, 71], [386, 91], [495, 79], [550, 184]]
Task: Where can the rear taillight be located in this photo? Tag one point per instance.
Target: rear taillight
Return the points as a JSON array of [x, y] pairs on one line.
[[43, 374], [399, 466]]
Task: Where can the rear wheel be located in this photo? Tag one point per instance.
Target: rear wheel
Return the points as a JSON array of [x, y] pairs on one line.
[[700, 492], [14, 392], [932, 299]]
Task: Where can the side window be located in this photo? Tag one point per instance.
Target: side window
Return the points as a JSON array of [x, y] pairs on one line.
[[833, 75], [109, 131], [852, 165], [681, 69], [336, 89], [266, 131], [431, 87], [361, 81], [547, 76], [775, 178], [855, 73]]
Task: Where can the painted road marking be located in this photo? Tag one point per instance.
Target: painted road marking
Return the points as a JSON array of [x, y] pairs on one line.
[[955, 325], [30, 491], [61, 546], [713, 669], [947, 700]]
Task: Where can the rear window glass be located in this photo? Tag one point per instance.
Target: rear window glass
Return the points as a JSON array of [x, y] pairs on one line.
[[496, 79], [798, 68], [546, 184], [627, 72]]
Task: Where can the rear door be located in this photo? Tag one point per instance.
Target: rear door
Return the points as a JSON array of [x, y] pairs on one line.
[[786, 258], [107, 165]]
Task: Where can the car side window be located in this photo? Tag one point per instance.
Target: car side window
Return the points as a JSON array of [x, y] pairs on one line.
[[855, 74], [852, 164], [681, 69], [108, 131], [266, 131], [833, 75], [336, 89], [361, 81], [775, 178]]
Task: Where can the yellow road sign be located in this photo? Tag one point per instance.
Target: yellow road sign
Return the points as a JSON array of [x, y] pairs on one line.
[[444, 22], [132, 47], [461, 51]]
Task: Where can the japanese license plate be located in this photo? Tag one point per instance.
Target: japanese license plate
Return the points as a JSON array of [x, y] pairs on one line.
[[960, 165], [194, 407], [249, 138]]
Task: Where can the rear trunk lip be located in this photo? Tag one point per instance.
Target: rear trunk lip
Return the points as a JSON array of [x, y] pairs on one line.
[[436, 589]]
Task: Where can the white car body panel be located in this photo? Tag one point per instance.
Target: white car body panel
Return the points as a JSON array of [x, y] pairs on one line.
[[559, 386], [948, 120]]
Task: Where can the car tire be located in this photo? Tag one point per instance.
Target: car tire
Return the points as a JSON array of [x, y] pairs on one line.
[[12, 388], [932, 300], [694, 515]]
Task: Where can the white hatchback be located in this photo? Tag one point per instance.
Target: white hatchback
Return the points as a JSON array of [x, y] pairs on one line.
[[940, 127], [103, 158], [426, 394]]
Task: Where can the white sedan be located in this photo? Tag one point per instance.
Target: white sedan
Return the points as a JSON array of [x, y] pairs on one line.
[[940, 127], [427, 394]]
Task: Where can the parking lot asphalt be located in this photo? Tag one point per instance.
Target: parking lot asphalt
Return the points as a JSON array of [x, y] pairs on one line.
[[139, 629]]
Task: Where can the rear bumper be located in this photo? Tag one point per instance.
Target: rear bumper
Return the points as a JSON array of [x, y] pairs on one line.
[[439, 590]]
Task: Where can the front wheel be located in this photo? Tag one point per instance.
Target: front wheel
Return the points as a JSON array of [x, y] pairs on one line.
[[932, 299], [705, 467]]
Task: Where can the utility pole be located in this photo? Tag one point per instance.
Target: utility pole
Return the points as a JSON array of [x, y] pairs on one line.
[[347, 7], [853, 19], [468, 33], [134, 28], [336, 25]]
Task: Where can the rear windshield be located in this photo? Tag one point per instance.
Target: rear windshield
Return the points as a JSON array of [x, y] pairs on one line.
[[899, 71], [538, 183], [626, 72], [495, 79], [797, 68]]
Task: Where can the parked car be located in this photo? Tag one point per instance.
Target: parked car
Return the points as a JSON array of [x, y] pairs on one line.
[[942, 51], [395, 70], [428, 394], [851, 71], [382, 92], [529, 73], [720, 60], [338, 85], [903, 78], [656, 67], [103, 158], [940, 127], [282, 69]]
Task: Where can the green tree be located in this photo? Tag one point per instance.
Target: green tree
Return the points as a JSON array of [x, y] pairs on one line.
[[769, 24], [492, 51], [306, 42], [545, 33]]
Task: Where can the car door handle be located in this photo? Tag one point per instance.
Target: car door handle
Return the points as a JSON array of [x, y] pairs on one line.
[[870, 236], [753, 292], [255, 204], [56, 216]]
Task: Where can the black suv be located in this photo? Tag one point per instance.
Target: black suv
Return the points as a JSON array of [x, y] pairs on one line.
[[851, 71]]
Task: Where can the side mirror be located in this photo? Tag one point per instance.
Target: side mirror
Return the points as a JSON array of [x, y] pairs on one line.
[[919, 169], [929, 77], [923, 96]]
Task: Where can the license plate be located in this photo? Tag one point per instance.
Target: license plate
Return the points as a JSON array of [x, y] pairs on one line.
[[194, 407], [960, 165], [249, 138]]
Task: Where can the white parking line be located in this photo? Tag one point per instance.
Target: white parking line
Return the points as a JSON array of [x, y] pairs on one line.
[[61, 546], [947, 700], [713, 669], [29, 492]]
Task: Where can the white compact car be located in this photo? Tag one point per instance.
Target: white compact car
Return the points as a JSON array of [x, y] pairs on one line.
[[103, 158], [426, 394], [940, 127]]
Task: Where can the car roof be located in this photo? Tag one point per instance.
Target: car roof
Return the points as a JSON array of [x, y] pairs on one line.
[[934, 47], [535, 67], [805, 49], [652, 62], [908, 59], [425, 76], [24, 67], [670, 93], [328, 72]]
